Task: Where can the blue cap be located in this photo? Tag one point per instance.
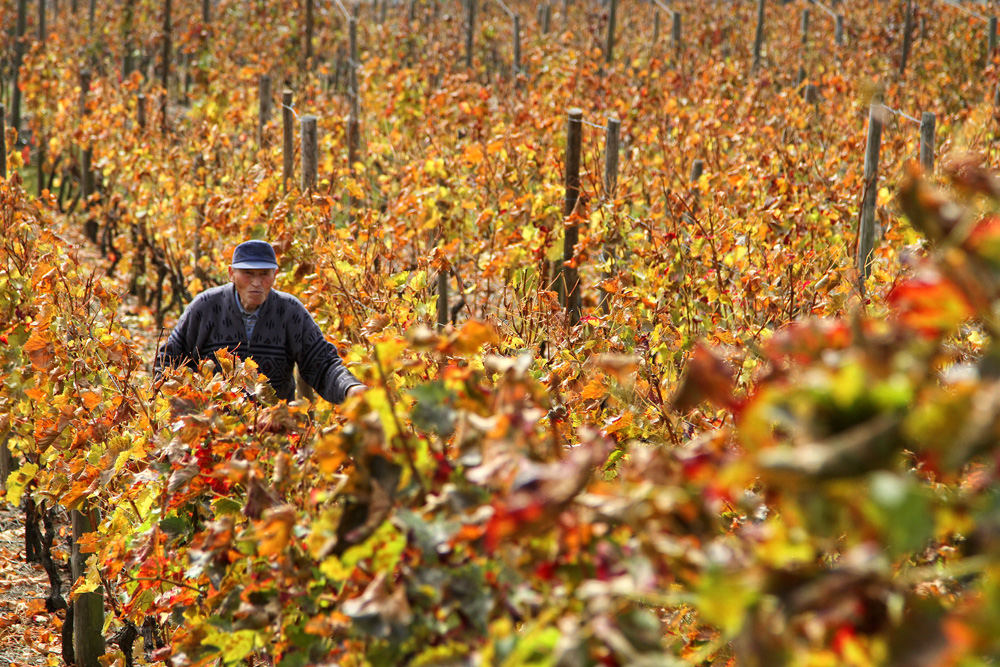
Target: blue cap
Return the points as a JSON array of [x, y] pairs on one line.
[[254, 255]]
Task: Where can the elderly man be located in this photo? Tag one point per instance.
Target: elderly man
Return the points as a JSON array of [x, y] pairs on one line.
[[250, 319]]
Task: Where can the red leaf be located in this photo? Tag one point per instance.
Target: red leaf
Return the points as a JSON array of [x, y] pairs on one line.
[[930, 304], [707, 378]]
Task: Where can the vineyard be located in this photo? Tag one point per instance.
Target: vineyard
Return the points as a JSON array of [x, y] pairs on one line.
[[680, 323]]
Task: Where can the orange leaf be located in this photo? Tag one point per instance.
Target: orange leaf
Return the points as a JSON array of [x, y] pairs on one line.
[[35, 393], [594, 389], [91, 399], [618, 423], [472, 336], [40, 350], [275, 530], [621, 366]]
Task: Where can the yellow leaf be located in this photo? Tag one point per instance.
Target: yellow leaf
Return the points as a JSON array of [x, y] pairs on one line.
[[234, 646], [334, 570], [330, 453], [17, 482]]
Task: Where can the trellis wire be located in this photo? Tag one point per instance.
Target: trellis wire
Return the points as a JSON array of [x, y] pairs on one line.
[[663, 6], [825, 8], [343, 9], [900, 113], [505, 8], [967, 11]]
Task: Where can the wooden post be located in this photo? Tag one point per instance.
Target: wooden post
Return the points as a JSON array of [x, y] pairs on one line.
[[838, 35], [88, 608], [165, 64], [758, 41], [186, 62], [353, 141], [609, 44], [21, 26], [675, 31], [546, 18], [352, 66], [866, 231], [91, 12], [812, 94], [288, 147], [206, 12], [200, 178], [805, 27], [611, 148], [128, 21], [570, 288], [310, 152], [412, 14], [264, 109], [164, 126], [923, 27], [41, 21], [353, 120], [3, 150], [907, 32], [697, 169], [442, 314], [40, 159], [991, 43], [516, 68], [86, 156], [309, 30], [7, 462], [470, 33], [381, 14], [656, 26], [927, 125], [140, 104]]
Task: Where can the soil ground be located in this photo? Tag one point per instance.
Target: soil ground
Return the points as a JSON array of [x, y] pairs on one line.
[[29, 635]]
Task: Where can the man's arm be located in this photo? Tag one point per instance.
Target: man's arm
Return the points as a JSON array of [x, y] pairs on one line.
[[175, 351], [321, 366]]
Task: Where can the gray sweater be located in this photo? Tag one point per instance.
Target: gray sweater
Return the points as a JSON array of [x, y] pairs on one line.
[[285, 334]]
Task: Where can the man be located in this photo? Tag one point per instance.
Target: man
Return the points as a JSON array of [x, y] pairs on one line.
[[250, 319]]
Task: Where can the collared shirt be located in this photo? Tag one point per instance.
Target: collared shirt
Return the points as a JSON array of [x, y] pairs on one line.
[[249, 319]]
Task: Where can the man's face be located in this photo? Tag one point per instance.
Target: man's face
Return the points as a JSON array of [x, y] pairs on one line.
[[253, 285]]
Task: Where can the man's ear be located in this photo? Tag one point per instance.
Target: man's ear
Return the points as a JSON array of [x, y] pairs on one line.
[[231, 274]]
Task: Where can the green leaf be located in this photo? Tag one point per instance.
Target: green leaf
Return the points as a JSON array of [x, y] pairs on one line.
[[432, 410]]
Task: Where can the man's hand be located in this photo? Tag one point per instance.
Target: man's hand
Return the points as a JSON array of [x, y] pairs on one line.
[[356, 390]]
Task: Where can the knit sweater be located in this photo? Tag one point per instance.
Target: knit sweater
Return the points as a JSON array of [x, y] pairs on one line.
[[285, 334]]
